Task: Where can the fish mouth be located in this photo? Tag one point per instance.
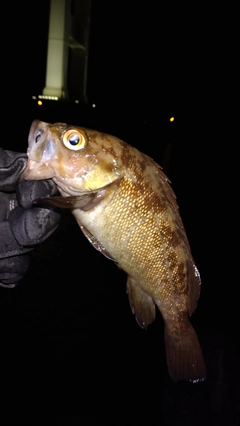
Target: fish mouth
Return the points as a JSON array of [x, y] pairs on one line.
[[36, 171]]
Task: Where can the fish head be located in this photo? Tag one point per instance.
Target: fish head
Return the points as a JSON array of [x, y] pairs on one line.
[[78, 160]]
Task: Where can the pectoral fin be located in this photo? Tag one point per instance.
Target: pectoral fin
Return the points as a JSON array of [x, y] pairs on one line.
[[141, 304], [96, 244], [64, 202]]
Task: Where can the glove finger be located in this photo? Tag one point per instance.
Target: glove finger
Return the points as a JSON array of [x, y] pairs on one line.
[[12, 165], [32, 226], [7, 203], [9, 246], [29, 190], [13, 269]]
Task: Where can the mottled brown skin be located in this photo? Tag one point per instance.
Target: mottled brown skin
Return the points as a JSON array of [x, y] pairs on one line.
[[125, 206]]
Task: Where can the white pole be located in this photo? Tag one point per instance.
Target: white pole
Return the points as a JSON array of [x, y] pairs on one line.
[[57, 51]]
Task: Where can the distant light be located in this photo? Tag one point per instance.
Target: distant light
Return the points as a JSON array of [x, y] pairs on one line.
[[34, 97], [171, 119], [93, 105], [48, 97], [39, 102], [76, 101]]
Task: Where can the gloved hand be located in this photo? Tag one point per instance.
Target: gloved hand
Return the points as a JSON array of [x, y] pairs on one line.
[[22, 226]]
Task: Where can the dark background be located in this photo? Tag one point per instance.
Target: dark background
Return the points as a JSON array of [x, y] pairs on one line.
[[71, 351]]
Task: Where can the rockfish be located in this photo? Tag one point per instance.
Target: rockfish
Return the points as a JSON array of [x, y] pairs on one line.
[[124, 204]]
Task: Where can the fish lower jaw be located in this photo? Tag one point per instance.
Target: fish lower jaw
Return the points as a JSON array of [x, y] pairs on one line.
[[67, 190], [36, 171]]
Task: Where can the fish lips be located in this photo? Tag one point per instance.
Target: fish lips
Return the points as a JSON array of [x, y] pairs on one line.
[[36, 171]]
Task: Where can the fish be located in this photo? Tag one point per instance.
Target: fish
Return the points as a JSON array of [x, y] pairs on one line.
[[124, 204]]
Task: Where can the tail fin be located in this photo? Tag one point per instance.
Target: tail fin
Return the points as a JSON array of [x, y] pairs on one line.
[[184, 356]]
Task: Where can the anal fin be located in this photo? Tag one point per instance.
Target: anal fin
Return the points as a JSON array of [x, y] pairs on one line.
[[141, 304]]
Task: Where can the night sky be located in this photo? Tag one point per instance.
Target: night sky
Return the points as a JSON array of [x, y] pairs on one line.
[[145, 54], [164, 55], [144, 59]]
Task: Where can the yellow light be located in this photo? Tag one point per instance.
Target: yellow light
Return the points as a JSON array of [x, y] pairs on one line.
[[171, 119], [39, 102]]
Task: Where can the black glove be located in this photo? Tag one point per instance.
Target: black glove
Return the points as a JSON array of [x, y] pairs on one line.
[[22, 226]]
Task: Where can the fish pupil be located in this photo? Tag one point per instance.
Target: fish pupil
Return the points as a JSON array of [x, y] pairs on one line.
[[74, 140]]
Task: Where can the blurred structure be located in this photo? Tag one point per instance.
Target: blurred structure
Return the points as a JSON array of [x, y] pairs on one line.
[[67, 57]]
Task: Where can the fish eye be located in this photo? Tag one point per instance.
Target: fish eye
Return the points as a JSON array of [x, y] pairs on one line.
[[74, 140]]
